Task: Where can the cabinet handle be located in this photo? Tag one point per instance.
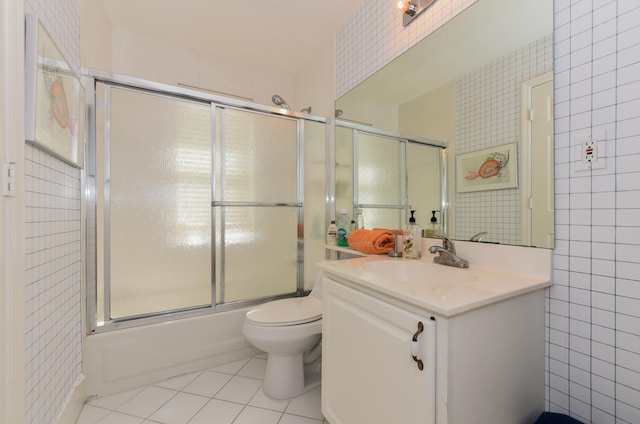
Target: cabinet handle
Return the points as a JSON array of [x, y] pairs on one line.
[[414, 346]]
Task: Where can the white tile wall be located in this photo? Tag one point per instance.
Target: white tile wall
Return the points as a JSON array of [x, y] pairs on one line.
[[593, 323], [484, 119], [53, 338], [373, 36], [53, 330], [593, 364], [61, 19]]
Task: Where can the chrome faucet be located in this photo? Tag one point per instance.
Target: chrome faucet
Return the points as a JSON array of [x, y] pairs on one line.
[[447, 254]]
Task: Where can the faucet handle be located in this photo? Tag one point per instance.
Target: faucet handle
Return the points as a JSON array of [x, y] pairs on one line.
[[478, 236], [448, 244]]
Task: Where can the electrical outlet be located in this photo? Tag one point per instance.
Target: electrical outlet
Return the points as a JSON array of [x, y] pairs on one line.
[[589, 150], [588, 154]]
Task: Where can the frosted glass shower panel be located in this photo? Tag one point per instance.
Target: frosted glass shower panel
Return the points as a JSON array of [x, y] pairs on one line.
[[257, 205], [259, 158], [344, 168], [160, 203], [381, 170], [315, 197], [259, 254]]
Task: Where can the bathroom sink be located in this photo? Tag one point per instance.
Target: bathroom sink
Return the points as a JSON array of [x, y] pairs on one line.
[[419, 271]]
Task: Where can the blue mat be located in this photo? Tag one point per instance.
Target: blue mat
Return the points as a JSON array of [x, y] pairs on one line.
[[554, 418]]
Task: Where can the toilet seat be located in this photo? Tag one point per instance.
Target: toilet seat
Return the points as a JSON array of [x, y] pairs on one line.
[[284, 312]]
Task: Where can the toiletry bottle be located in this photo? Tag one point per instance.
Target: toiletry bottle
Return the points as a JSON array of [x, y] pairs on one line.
[[352, 226], [332, 234], [433, 230], [435, 226], [412, 239], [343, 228], [359, 219], [417, 236]]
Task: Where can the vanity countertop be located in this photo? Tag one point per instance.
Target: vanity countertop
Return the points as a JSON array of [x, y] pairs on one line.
[[440, 289]]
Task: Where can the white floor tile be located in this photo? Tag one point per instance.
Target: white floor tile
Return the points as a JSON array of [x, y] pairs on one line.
[[254, 368], [179, 382], [91, 414], [239, 389], [231, 368], [115, 401], [296, 419], [118, 418], [148, 401], [208, 383], [261, 400], [251, 415], [306, 405], [229, 394], [180, 409], [218, 412]]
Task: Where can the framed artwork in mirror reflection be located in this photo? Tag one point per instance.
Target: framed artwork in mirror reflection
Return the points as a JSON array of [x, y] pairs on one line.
[[494, 168]]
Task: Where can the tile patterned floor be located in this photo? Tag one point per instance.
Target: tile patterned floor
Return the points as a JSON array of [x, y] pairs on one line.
[[229, 394]]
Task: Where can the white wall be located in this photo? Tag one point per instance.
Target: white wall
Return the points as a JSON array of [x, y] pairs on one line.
[[127, 53], [11, 214], [593, 323]]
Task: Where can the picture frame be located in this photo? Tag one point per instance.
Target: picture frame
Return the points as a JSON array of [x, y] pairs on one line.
[[493, 168], [55, 113]]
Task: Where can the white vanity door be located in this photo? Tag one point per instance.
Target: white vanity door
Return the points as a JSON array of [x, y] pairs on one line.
[[368, 373]]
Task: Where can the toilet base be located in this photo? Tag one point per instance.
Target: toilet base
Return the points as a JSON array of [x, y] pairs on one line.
[[287, 377]]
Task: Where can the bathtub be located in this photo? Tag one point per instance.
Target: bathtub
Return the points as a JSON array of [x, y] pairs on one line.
[[119, 360]]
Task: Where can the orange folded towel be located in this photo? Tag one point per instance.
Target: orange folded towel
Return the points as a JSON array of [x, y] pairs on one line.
[[377, 241]]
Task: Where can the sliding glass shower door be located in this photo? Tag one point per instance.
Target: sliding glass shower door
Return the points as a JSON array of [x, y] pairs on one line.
[[197, 204], [157, 210], [257, 205]]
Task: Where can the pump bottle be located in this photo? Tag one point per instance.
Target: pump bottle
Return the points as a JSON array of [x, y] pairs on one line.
[[433, 230], [412, 239]]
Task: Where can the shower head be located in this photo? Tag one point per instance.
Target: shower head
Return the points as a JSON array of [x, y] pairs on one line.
[[279, 101], [339, 113], [306, 110]]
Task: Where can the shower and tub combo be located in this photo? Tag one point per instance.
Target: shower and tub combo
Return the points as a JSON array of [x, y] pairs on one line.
[[179, 202]]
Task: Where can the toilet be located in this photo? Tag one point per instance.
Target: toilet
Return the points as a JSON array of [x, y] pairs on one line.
[[289, 331]]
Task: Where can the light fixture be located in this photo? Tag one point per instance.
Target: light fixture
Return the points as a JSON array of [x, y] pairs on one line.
[[413, 8]]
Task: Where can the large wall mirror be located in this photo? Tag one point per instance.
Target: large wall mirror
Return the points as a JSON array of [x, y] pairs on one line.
[[378, 171], [481, 85]]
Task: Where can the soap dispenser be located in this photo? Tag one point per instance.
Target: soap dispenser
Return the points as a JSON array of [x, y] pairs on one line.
[[433, 230], [412, 239]]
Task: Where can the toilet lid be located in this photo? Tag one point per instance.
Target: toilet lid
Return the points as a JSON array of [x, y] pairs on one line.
[[293, 311]]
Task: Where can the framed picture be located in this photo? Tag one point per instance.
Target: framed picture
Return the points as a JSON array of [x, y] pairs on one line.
[[55, 112], [494, 168]]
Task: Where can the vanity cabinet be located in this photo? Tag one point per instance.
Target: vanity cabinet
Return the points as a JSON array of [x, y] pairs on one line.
[[483, 366], [368, 371]]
